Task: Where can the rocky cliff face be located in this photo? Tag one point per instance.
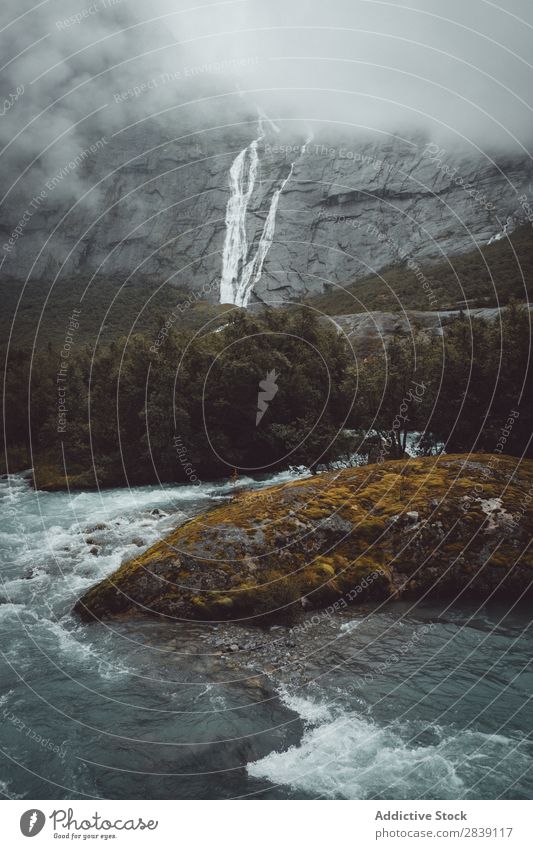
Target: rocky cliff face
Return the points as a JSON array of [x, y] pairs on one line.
[[265, 214]]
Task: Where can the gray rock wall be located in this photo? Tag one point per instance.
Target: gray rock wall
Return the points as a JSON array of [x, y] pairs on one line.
[[370, 332], [151, 204]]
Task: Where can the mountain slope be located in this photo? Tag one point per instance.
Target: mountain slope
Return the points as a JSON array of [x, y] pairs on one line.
[[486, 276]]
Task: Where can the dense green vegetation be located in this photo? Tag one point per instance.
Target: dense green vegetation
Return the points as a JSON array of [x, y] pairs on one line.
[[135, 411], [36, 314], [143, 411], [459, 390], [485, 277]]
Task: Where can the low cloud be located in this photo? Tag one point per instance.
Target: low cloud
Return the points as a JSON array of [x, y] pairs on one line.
[[75, 73]]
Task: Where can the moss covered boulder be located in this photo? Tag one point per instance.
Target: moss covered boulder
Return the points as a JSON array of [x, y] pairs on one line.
[[457, 525]]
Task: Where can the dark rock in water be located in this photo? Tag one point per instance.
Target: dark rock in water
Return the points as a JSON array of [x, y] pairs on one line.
[[360, 534], [94, 550], [99, 526], [138, 542]]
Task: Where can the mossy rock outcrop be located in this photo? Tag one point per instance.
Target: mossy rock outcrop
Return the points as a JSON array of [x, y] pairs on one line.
[[456, 525]]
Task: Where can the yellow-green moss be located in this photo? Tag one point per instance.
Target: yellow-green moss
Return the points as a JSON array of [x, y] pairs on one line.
[[301, 554]]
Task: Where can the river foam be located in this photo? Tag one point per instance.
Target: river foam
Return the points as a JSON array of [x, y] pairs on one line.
[[349, 756]]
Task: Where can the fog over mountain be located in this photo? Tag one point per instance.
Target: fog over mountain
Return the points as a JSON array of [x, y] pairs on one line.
[[453, 67], [117, 111]]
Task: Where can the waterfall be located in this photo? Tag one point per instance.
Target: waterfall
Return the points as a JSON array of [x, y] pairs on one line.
[[240, 272], [241, 181], [254, 267]]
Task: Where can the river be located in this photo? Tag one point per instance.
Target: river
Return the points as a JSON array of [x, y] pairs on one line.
[[403, 701]]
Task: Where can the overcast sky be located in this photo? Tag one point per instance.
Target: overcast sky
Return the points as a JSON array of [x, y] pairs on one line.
[[459, 69], [454, 66]]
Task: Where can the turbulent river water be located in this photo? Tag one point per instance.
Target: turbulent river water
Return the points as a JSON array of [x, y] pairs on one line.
[[394, 702]]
